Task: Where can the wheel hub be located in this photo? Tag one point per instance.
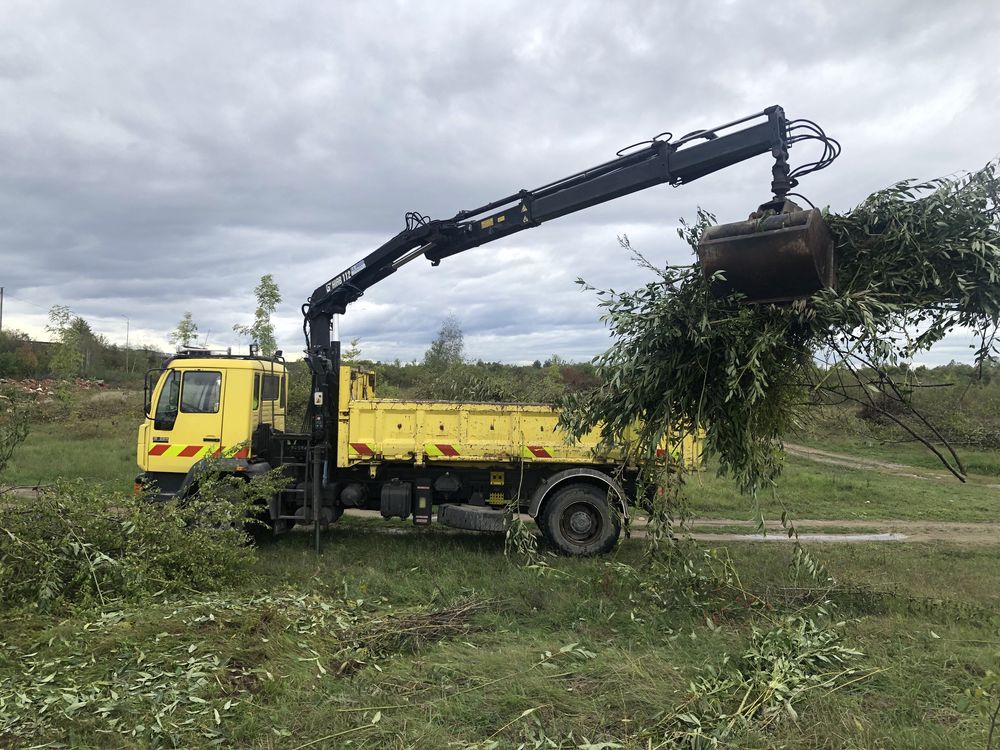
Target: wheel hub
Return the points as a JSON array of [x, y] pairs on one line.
[[581, 523]]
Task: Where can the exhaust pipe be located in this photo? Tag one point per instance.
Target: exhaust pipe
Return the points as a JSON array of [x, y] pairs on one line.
[[782, 253]]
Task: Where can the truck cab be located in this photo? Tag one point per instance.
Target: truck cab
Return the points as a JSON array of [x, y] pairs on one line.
[[201, 405]]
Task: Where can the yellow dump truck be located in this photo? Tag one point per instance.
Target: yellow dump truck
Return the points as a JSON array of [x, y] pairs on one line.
[[460, 463], [405, 458]]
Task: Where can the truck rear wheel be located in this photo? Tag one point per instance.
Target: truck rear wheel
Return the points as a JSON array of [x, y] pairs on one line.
[[578, 521]]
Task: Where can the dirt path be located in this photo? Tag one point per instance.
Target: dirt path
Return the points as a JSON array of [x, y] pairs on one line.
[[875, 530], [885, 467], [810, 530]]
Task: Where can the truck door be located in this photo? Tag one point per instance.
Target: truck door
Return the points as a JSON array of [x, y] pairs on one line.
[[187, 422]]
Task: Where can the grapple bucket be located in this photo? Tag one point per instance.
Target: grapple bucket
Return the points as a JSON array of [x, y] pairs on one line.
[[777, 258]]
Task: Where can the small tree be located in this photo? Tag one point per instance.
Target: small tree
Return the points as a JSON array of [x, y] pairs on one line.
[[353, 353], [185, 333], [262, 330], [68, 359], [449, 346], [92, 346]]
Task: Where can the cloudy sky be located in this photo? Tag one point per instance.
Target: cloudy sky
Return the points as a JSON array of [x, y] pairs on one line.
[[159, 157]]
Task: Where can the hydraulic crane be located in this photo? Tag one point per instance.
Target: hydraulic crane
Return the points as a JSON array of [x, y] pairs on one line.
[[782, 253]]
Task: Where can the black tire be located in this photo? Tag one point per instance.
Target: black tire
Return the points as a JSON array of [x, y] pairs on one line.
[[544, 531], [473, 518], [578, 521]]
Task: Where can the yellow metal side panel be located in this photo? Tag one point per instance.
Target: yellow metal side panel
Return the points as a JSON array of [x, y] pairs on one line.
[[239, 419], [442, 431], [142, 445], [535, 437], [693, 448], [387, 429], [344, 388], [488, 432], [396, 436], [362, 437], [443, 427]]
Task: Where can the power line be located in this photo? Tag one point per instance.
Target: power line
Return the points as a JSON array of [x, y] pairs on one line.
[[27, 302]]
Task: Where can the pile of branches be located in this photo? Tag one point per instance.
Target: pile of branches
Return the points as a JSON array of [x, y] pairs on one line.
[[80, 544], [917, 261], [201, 672]]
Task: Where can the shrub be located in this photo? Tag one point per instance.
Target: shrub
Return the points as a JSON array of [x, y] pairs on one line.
[[79, 544]]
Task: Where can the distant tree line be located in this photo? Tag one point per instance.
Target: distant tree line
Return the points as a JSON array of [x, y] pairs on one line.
[[90, 356], [75, 351], [444, 373]]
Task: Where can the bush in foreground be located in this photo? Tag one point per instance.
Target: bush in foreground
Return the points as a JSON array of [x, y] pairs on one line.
[[79, 544]]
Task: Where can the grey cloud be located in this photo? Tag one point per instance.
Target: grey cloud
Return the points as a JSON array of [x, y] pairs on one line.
[[156, 158]]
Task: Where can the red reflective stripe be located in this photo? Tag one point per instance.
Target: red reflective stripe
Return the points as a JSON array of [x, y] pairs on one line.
[[190, 450], [242, 453], [539, 452], [158, 449], [446, 449], [363, 449]]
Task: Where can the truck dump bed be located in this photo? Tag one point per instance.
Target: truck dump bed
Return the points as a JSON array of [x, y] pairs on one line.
[[444, 431]]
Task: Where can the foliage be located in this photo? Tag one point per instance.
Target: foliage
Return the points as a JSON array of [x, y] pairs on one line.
[[186, 331], [470, 688], [985, 699], [79, 350], [78, 544], [352, 355], [961, 401], [448, 347], [262, 329], [67, 362], [13, 426], [483, 381], [18, 356], [299, 393], [917, 260], [181, 689], [780, 664]]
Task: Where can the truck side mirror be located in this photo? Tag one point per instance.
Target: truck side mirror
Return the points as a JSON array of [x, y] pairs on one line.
[[152, 377]]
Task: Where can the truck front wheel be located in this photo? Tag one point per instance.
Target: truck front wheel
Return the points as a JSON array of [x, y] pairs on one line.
[[578, 521]]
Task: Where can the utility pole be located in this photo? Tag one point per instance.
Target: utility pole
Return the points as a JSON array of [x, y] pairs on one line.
[[127, 323], [1, 308]]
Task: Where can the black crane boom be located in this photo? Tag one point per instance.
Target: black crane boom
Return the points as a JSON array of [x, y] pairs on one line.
[[643, 165]]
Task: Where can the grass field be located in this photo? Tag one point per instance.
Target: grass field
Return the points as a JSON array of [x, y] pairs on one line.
[[978, 462], [812, 490], [300, 667], [90, 437]]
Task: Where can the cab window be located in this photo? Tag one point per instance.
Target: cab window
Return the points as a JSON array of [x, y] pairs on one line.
[[166, 406], [268, 388], [200, 392]]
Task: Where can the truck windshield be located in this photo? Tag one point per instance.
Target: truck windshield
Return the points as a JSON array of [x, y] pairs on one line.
[[166, 406], [200, 392]]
